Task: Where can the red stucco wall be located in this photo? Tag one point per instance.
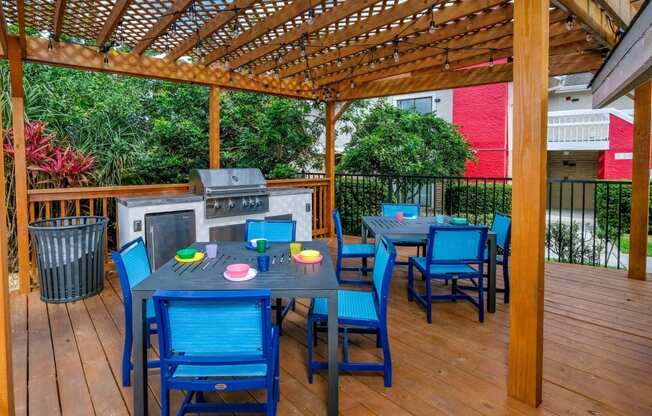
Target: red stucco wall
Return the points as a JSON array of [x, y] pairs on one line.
[[481, 113], [621, 133]]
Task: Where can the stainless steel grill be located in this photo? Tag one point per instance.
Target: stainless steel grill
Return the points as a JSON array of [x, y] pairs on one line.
[[231, 192]]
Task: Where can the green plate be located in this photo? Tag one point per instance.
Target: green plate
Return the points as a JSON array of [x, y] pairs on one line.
[[186, 253]]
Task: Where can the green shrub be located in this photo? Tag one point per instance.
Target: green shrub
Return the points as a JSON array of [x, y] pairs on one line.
[[477, 200]]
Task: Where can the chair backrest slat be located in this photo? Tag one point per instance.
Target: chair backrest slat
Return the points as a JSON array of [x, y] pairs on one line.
[[502, 226], [278, 231], [456, 245], [408, 210], [219, 325], [132, 265], [338, 229], [382, 273]]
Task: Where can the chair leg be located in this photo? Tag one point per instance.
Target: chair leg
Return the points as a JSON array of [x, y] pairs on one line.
[[338, 268], [429, 299], [126, 357], [410, 285], [387, 355], [314, 333], [506, 281], [454, 288], [379, 342], [364, 266], [311, 339], [279, 315], [481, 298], [165, 398]]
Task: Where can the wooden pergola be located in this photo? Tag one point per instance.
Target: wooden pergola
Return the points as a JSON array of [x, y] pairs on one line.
[[337, 51]]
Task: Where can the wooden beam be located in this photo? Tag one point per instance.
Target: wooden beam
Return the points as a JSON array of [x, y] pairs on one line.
[[595, 19], [323, 20], [165, 21], [119, 9], [22, 36], [59, 14], [329, 164], [640, 182], [437, 80], [398, 12], [88, 58], [628, 65], [20, 162], [498, 38], [445, 36], [216, 23], [528, 199], [3, 30], [619, 10], [279, 18], [214, 127], [442, 16], [342, 109], [6, 370]]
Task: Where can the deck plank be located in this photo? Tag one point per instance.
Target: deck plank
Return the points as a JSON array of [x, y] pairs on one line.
[[597, 355]]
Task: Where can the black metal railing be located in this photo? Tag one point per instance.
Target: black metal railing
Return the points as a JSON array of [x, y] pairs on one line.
[[587, 221]]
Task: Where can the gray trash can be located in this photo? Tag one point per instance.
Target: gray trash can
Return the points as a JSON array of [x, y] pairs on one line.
[[69, 257]]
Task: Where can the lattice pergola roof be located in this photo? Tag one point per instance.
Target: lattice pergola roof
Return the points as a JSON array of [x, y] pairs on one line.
[[312, 47]]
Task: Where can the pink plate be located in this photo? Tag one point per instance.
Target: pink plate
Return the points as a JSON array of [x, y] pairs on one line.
[[316, 260], [250, 275]]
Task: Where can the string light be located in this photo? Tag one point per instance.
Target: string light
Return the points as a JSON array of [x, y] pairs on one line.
[[50, 37], [311, 17], [397, 56], [352, 84], [432, 27], [491, 59], [227, 65], [570, 22], [302, 46], [447, 64], [589, 37], [339, 58]]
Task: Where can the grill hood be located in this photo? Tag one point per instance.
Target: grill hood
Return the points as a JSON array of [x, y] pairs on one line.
[[214, 182]]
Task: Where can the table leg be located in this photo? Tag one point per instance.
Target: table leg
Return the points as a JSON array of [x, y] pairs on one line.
[[491, 295], [139, 379], [333, 370]]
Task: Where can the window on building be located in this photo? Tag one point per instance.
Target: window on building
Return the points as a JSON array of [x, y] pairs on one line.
[[422, 105]]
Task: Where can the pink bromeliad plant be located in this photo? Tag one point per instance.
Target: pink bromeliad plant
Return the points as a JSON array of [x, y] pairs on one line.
[[48, 163]]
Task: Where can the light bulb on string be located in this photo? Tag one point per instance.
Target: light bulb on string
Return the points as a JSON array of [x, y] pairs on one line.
[[396, 55], [447, 64], [311, 17], [432, 27], [491, 59], [570, 22], [589, 37], [352, 84]]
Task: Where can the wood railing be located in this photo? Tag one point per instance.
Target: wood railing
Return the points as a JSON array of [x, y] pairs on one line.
[[50, 203]]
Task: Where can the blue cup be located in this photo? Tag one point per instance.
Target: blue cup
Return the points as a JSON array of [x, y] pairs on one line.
[[263, 263]]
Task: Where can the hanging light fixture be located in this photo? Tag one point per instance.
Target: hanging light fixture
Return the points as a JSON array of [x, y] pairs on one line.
[[227, 65], [491, 59], [339, 58], [352, 84], [589, 37], [570, 22], [447, 64], [50, 38], [302, 46], [432, 27], [397, 55]]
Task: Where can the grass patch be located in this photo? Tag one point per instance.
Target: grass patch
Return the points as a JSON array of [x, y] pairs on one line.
[[624, 244]]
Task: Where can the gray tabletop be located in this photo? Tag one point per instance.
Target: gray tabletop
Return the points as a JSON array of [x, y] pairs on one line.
[[284, 278]]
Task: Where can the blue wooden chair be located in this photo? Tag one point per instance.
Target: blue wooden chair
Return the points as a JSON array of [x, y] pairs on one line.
[[212, 341], [452, 253], [502, 226], [349, 251], [359, 311], [132, 265], [275, 231], [409, 211]]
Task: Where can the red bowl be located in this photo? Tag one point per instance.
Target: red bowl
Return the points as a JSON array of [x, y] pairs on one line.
[[237, 269]]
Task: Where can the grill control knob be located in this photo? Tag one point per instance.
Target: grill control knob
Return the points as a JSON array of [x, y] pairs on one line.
[[231, 204], [245, 204], [252, 203], [258, 202], [216, 205]]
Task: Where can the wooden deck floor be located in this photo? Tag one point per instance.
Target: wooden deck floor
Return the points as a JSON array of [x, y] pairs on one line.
[[598, 355]]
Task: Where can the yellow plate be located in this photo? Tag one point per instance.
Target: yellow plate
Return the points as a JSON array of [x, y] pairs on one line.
[[198, 257], [309, 254]]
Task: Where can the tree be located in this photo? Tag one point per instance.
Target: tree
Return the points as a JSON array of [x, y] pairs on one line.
[[388, 140]]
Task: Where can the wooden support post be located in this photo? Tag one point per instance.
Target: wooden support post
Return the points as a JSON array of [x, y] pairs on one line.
[[214, 127], [20, 163], [528, 199], [640, 182], [329, 164], [6, 373]]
